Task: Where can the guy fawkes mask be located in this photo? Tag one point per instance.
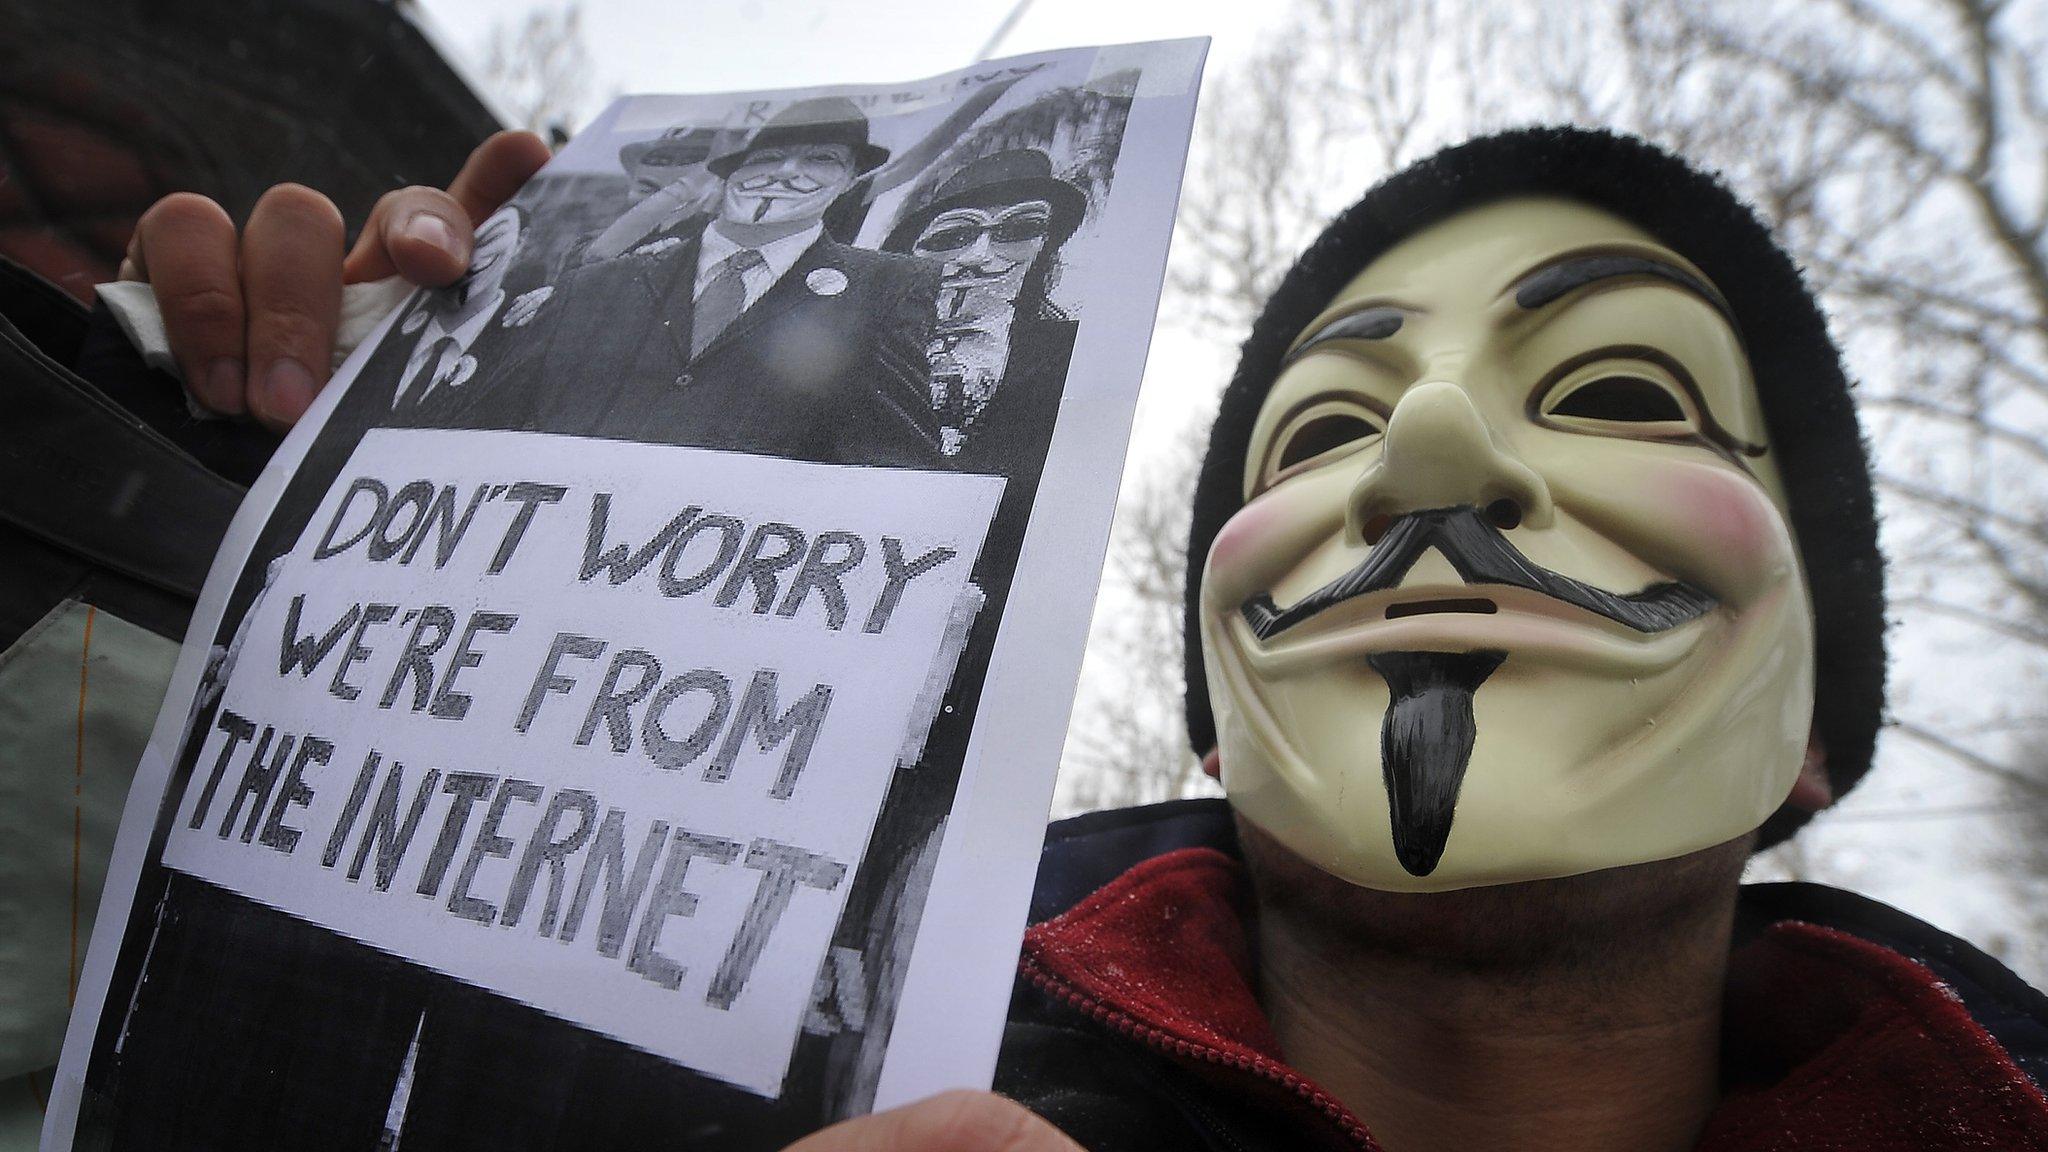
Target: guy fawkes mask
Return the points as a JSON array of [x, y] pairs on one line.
[[1513, 594], [787, 183]]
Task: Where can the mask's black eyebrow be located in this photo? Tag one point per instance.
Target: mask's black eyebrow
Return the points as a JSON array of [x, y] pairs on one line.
[[1364, 324], [1548, 284]]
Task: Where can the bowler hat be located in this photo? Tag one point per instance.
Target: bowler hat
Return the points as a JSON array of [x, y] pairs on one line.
[[685, 145], [998, 179], [823, 120]]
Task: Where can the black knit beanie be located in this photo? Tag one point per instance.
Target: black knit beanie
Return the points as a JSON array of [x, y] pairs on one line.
[[1817, 444]]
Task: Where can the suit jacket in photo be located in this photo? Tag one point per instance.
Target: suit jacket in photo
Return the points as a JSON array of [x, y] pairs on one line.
[[828, 365]]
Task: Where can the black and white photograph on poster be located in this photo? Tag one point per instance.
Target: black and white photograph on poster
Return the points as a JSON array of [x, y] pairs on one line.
[[602, 720]]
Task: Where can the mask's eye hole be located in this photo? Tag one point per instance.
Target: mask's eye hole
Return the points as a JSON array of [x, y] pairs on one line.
[[1626, 399], [1322, 434]]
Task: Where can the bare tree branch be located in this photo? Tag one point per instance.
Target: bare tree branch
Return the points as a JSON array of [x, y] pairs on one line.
[[541, 70], [1969, 758]]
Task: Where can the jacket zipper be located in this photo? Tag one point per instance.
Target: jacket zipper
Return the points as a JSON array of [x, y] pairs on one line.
[[1126, 1025]]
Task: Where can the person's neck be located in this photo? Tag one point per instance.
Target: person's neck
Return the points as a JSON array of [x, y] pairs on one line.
[[756, 235], [1592, 1041]]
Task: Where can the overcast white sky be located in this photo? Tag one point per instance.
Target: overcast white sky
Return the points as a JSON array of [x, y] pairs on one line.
[[735, 45]]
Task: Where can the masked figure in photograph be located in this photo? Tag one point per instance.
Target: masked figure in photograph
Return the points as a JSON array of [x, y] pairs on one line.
[[1000, 346], [673, 163], [666, 184], [751, 330]]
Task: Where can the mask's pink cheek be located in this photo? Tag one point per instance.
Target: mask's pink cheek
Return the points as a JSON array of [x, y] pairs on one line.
[[1239, 538], [1252, 546], [1727, 530]]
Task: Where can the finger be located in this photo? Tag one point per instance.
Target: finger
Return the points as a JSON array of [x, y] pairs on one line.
[[949, 1122], [184, 246], [427, 235], [291, 276], [132, 266], [419, 233], [497, 169]]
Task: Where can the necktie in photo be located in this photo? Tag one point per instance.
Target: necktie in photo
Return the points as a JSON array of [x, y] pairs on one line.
[[722, 300], [423, 377]]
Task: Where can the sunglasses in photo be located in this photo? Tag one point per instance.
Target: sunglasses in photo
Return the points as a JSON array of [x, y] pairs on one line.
[[1010, 230]]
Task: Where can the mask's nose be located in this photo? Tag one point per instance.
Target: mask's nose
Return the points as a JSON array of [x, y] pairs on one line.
[[1439, 453]]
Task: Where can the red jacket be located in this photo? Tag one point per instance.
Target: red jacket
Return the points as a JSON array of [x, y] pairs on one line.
[[1849, 1025]]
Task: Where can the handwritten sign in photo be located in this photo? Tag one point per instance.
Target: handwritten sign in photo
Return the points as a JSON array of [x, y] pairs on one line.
[[605, 735]]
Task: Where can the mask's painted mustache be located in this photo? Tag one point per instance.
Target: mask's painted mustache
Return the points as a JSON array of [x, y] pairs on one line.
[[800, 185], [968, 275], [1482, 556]]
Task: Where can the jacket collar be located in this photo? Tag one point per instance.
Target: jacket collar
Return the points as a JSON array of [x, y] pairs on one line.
[[1833, 1041]]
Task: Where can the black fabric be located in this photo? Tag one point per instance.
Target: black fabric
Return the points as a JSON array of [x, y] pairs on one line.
[[46, 315], [96, 501], [1082, 853], [37, 575], [1110, 1095], [1808, 411], [234, 450]]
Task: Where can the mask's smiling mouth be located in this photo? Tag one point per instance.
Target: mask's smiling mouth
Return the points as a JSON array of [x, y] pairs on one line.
[[1481, 555], [970, 276], [1473, 605]]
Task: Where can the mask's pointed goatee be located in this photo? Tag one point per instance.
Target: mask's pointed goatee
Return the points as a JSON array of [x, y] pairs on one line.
[[1425, 744]]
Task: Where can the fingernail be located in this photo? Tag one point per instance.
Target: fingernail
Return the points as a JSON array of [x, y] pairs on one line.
[[287, 391], [222, 387], [428, 228]]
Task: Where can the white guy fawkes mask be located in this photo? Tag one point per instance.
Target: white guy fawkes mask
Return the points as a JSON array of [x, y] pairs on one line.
[[986, 254], [1595, 650], [787, 183]]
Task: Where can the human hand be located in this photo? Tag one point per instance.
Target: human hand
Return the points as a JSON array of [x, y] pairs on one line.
[[251, 318], [958, 1121]]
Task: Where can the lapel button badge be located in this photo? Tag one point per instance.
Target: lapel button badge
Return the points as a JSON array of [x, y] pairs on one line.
[[826, 281]]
